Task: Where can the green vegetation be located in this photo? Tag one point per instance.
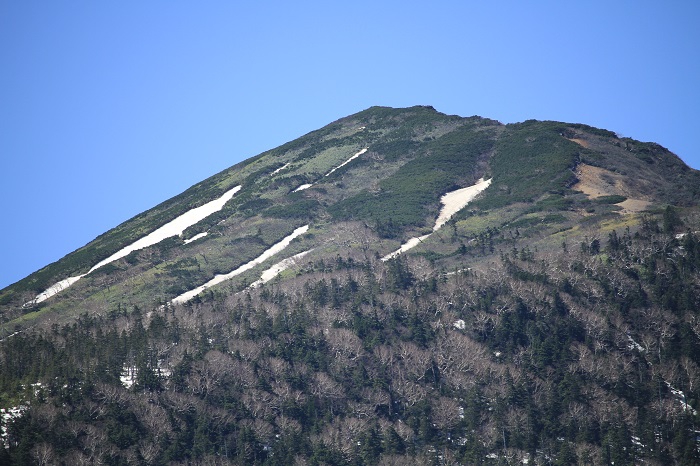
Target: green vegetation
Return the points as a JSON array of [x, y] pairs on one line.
[[537, 326], [301, 209], [531, 158], [615, 199], [536, 220], [412, 194], [359, 363]]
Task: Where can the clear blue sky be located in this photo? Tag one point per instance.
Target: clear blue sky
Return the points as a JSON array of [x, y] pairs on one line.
[[108, 108]]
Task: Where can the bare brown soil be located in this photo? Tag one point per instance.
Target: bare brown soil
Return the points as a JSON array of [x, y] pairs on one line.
[[580, 142], [596, 182]]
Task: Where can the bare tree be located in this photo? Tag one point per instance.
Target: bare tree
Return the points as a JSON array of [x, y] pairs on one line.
[[410, 392], [326, 388], [692, 373], [344, 343], [259, 403], [43, 454], [209, 373], [415, 361], [149, 451], [445, 413]]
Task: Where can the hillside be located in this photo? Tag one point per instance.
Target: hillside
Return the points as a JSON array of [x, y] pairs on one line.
[[263, 316]]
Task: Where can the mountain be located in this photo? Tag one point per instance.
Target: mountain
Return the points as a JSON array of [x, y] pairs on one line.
[[400, 286]]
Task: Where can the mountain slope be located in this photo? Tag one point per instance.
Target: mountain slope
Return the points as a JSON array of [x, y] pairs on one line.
[[553, 319]]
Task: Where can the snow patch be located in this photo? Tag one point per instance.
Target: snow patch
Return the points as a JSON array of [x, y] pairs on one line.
[[278, 268], [348, 161], [452, 203], [455, 201], [410, 244], [173, 228], [280, 169], [7, 416], [196, 237], [302, 187], [183, 298], [55, 288]]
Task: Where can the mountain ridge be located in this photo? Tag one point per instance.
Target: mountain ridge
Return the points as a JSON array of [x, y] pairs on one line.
[[419, 116], [552, 319]]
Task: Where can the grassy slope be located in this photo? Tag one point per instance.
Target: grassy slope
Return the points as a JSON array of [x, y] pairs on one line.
[[415, 155]]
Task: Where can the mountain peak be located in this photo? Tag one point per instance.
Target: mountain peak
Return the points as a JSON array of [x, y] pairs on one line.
[[388, 168], [395, 284]]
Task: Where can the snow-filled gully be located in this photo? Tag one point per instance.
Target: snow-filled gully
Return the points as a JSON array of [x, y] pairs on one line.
[[274, 249], [347, 161], [278, 268], [173, 228], [452, 203]]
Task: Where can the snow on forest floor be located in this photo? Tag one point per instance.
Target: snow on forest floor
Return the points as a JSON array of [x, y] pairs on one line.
[[130, 374], [452, 203], [173, 228], [274, 249], [7, 415], [680, 397]]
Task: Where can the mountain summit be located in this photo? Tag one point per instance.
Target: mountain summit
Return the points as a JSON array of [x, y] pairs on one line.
[[400, 286]]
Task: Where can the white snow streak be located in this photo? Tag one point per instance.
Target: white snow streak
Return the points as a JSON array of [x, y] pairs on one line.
[[183, 298], [307, 186], [348, 161], [456, 200], [280, 169], [410, 244], [173, 228], [452, 203], [302, 187], [56, 288], [278, 268], [196, 237]]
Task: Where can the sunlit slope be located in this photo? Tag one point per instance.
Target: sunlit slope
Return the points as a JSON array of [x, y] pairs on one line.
[[383, 169]]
